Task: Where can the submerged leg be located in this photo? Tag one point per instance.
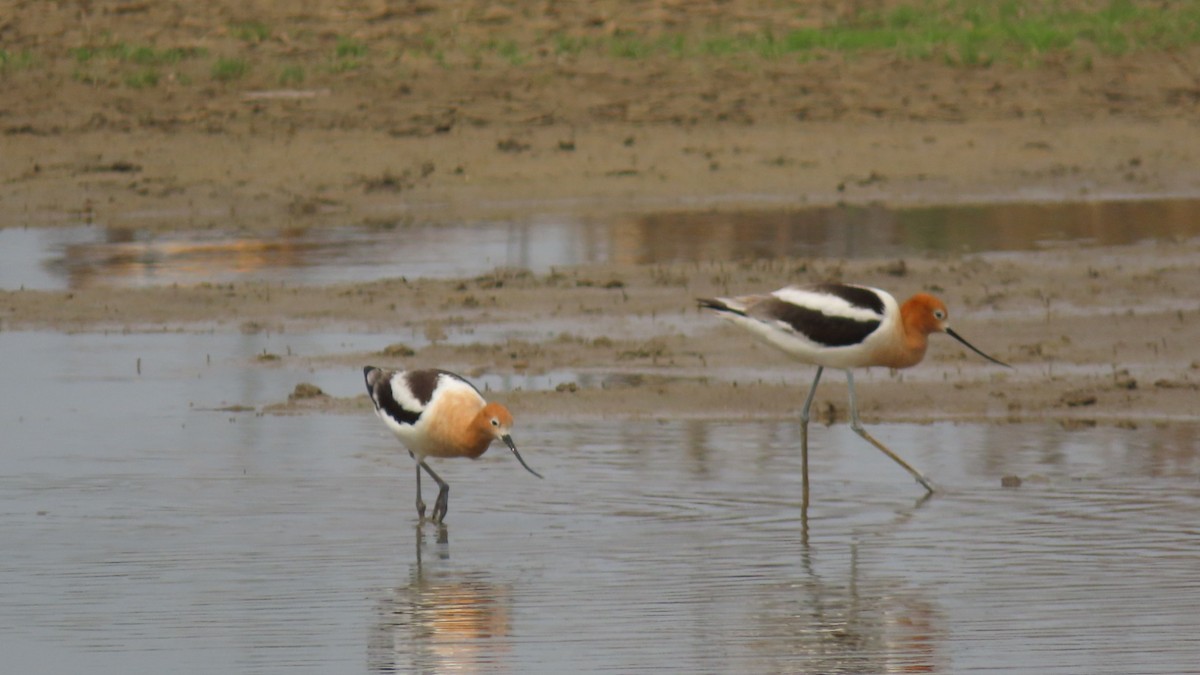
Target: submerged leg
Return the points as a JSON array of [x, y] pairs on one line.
[[443, 499], [857, 426], [804, 439]]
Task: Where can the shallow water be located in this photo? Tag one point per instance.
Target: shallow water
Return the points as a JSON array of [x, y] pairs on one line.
[[143, 531], [79, 256]]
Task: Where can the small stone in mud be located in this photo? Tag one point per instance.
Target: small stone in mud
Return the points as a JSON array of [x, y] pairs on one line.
[[1010, 481], [387, 182], [569, 387], [305, 390], [237, 407], [1076, 399], [119, 166], [1175, 384], [511, 145], [398, 349], [267, 356], [871, 179]]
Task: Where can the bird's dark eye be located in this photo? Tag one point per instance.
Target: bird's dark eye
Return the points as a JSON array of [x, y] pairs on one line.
[[495, 422], [939, 314]]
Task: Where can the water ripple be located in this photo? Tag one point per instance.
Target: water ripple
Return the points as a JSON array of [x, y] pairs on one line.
[[141, 535]]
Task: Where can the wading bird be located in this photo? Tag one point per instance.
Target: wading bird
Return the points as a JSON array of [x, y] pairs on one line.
[[436, 413], [842, 326]]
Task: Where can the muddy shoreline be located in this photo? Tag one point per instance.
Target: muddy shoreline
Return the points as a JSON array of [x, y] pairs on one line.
[[247, 182], [1097, 333]]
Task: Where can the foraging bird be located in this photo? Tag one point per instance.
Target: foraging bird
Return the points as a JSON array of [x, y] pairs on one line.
[[842, 326], [436, 413]]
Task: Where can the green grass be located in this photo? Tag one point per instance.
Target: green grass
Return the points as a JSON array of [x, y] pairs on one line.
[[508, 50], [23, 60], [142, 55], [139, 65], [966, 32], [291, 75], [349, 48], [348, 54], [634, 47], [229, 70], [567, 45], [250, 31], [142, 79]]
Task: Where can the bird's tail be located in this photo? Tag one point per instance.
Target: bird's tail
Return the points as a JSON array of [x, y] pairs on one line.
[[372, 375], [721, 305]]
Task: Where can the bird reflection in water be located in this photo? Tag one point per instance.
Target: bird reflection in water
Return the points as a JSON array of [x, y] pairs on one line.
[[441, 620], [128, 257], [850, 621]]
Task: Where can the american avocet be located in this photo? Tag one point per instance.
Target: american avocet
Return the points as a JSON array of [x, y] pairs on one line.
[[842, 326], [436, 413]]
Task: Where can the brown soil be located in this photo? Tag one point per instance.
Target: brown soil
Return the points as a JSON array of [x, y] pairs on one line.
[[1095, 334]]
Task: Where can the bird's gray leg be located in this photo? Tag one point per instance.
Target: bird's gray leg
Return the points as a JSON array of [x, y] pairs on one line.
[[420, 502], [804, 437], [443, 499], [857, 426]]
